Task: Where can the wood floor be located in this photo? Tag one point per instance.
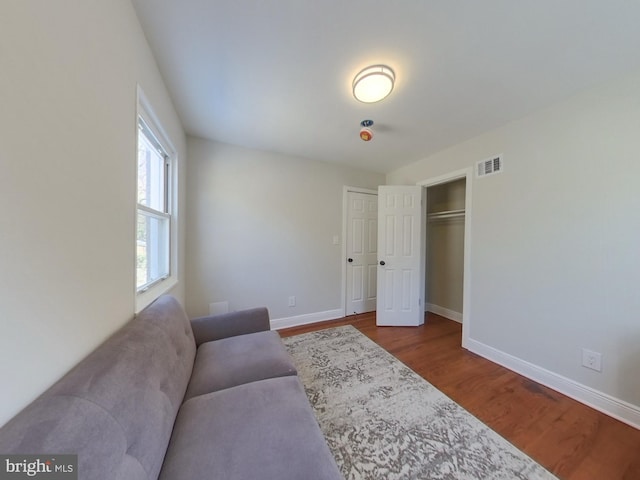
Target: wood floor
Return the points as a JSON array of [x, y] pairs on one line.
[[571, 440]]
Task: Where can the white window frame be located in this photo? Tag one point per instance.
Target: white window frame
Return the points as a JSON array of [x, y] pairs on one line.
[[148, 294]]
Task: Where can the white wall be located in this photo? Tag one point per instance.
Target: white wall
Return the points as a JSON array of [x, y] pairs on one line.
[[261, 227], [68, 77], [555, 241]]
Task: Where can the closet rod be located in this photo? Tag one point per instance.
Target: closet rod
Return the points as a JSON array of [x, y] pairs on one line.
[[446, 214]]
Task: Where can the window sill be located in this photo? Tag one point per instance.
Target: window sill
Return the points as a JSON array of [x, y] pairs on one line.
[[143, 299]]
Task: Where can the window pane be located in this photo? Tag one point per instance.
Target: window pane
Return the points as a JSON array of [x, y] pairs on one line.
[[152, 250], [151, 173]]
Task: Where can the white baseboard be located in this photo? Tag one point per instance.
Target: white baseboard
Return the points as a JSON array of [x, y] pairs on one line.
[[614, 407], [444, 312], [305, 319]]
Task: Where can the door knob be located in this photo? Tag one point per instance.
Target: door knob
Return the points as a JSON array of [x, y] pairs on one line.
[[349, 260], [382, 263]]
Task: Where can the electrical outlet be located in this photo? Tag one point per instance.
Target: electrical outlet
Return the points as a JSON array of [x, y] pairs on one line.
[[592, 360], [292, 301]]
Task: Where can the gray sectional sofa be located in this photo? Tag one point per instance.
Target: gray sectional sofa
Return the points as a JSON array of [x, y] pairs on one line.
[[164, 397]]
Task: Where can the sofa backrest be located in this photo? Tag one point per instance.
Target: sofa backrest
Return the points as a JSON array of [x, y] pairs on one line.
[[117, 407]]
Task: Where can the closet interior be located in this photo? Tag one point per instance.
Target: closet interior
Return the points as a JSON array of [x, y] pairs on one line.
[[445, 248]]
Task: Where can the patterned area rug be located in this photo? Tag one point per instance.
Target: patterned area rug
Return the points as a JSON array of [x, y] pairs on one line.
[[383, 421]]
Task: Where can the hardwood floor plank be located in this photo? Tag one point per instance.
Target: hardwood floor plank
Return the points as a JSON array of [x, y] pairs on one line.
[[573, 441]]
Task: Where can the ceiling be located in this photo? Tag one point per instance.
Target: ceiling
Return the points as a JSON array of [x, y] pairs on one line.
[[276, 75]]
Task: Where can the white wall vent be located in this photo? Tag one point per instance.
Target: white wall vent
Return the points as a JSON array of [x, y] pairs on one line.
[[490, 166]]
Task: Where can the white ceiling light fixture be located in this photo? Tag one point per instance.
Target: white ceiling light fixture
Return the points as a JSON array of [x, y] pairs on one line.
[[373, 83]]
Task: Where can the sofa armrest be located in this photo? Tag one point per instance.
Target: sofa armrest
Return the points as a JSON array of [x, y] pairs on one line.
[[216, 327]]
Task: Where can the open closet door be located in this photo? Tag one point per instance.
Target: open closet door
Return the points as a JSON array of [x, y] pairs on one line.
[[401, 255]]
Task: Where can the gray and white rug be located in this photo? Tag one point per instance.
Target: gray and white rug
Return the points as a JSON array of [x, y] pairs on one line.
[[383, 421]]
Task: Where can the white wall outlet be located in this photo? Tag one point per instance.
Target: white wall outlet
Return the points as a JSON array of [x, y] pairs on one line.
[[292, 301], [592, 360]]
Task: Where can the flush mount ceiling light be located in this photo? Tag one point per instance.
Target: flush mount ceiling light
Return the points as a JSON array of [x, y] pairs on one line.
[[373, 83]]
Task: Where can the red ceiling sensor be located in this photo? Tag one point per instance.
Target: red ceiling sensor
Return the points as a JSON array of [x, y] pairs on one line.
[[366, 133]]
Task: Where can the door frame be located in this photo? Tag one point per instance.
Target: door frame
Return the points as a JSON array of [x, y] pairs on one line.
[[345, 207], [467, 174]]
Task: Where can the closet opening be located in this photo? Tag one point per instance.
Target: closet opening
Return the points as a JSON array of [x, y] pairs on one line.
[[445, 244]]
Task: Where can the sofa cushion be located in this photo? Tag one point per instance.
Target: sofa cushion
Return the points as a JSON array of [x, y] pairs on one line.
[[260, 430], [66, 424], [236, 360], [117, 407]]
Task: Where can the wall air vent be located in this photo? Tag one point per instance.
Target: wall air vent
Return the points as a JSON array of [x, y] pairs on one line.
[[490, 166]]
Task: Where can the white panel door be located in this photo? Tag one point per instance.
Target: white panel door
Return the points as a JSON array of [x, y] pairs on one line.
[[401, 255], [362, 252]]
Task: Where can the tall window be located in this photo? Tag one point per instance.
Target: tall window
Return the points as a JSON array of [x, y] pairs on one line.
[[153, 229]]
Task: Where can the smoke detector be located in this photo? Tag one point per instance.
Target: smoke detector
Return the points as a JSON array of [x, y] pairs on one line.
[[366, 133]]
